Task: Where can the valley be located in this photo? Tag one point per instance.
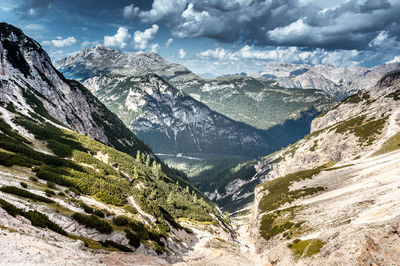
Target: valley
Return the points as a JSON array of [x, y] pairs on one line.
[[123, 158]]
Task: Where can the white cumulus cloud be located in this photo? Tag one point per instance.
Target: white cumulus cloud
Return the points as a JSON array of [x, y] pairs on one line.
[[142, 39], [60, 42], [118, 40]]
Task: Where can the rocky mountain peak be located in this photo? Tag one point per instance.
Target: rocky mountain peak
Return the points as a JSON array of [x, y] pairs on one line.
[[338, 82], [389, 79]]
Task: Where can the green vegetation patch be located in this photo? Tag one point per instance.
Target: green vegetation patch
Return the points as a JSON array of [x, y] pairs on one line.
[[391, 144], [278, 189], [109, 243], [7, 130], [280, 222], [36, 218], [365, 129], [25, 193], [357, 97], [306, 248], [394, 95], [93, 221], [162, 190]]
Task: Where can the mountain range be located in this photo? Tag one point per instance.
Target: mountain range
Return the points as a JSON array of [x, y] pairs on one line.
[[175, 111], [77, 185], [338, 82]]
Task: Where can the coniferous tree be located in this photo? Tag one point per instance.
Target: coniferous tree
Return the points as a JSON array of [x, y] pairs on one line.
[[138, 157], [148, 160], [227, 217]]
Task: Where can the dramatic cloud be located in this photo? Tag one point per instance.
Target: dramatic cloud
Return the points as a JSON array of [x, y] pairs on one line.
[[318, 24], [60, 42], [182, 53], [119, 40], [141, 39], [33, 9], [161, 9], [286, 54]]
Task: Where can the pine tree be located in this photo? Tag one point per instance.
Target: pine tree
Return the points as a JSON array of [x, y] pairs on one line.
[[155, 168], [227, 217], [135, 172], [195, 197], [148, 160], [138, 156]]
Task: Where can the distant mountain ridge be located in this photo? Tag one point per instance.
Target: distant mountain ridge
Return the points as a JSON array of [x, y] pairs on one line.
[[200, 133], [338, 82], [173, 122], [256, 102], [99, 60]]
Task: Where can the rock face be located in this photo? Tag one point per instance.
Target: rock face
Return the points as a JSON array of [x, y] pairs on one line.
[[29, 81], [337, 82], [171, 121], [97, 60], [343, 212]]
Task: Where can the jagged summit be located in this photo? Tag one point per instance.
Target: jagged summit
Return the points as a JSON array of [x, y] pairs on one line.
[[30, 82], [338, 82], [101, 60], [390, 78]]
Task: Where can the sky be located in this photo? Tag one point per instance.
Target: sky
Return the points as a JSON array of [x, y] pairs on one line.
[[216, 37]]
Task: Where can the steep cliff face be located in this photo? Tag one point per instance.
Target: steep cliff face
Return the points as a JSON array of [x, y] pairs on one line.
[[29, 81], [331, 192], [173, 122], [337, 82]]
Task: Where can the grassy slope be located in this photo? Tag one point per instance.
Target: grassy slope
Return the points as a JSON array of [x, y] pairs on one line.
[[74, 165]]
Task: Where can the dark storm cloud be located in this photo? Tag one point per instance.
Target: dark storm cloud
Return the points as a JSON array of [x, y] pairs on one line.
[[33, 9], [304, 23]]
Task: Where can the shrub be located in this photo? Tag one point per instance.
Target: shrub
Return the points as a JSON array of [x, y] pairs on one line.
[[93, 222], [86, 208], [134, 239], [23, 184], [61, 194], [36, 218], [24, 193], [49, 193], [130, 209], [99, 213], [109, 243], [120, 221], [34, 179], [50, 184], [10, 209]]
